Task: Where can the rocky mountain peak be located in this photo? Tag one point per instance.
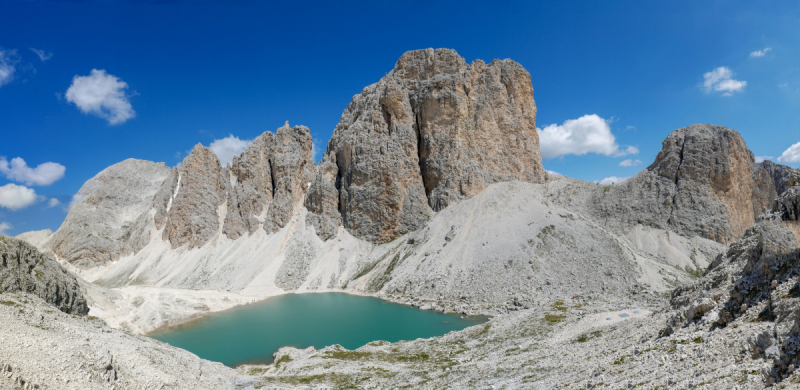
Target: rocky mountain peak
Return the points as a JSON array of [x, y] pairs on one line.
[[432, 132], [424, 64], [713, 162], [781, 175], [198, 190], [704, 182], [99, 228]]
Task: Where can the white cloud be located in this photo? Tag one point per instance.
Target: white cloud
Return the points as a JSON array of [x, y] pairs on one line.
[[587, 134], [14, 197], [101, 94], [791, 155], [760, 53], [228, 147], [8, 65], [627, 151], [783, 85], [760, 159], [53, 202], [43, 55], [43, 175], [554, 173], [630, 163], [612, 180], [72, 202], [4, 227], [720, 80]]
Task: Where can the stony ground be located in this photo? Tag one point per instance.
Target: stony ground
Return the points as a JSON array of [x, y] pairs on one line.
[[43, 348], [560, 347]]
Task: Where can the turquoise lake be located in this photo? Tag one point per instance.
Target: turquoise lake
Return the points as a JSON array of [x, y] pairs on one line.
[[252, 333]]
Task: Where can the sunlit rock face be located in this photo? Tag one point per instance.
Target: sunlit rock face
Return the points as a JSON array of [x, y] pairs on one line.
[[433, 131]]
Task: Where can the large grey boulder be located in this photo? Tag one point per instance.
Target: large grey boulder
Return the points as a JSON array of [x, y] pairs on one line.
[[102, 226], [433, 131], [24, 269]]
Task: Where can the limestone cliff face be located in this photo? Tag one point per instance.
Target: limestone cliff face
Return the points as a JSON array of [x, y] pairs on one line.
[[433, 131], [24, 269], [322, 199], [711, 165], [704, 182], [780, 174], [263, 188], [191, 216], [251, 192], [787, 206], [269, 181], [292, 171], [102, 226]]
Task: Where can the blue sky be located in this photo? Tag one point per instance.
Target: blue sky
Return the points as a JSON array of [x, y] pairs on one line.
[[171, 74]]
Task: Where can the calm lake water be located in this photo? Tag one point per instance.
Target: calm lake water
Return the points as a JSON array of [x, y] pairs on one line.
[[252, 333]]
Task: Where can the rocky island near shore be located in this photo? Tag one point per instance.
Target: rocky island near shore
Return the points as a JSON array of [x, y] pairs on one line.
[[431, 193]]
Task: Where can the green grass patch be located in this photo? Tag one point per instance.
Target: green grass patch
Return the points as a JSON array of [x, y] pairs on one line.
[[346, 355], [282, 360], [588, 336], [554, 318]]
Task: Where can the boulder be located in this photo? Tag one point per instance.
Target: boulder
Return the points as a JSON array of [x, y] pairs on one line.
[[698, 308]]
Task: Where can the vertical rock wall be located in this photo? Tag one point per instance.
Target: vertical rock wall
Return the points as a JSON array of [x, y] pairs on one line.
[[433, 131]]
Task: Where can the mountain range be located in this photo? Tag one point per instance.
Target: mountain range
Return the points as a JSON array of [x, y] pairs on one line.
[[432, 193]]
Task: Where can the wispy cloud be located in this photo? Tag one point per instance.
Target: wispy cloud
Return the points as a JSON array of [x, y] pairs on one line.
[[53, 202], [763, 158], [630, 163], [720, 80], [760, 53], [4, 227], [43, 55], [8, 65], [316, 151], [103, 95], [228, 147], [43, 175], [587, 134], [612, 180], [72, 202]]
